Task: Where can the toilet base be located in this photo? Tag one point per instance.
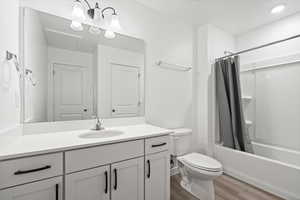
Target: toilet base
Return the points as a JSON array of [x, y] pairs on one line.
[[203, 190]]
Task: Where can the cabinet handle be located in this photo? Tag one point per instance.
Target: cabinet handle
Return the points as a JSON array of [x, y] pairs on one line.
[[56, 191], [19, 172], [106, 182], [149, 169], [116, 179], [158, 145]]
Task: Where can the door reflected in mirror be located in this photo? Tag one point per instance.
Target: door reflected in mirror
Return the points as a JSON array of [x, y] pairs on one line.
[[79, 75]]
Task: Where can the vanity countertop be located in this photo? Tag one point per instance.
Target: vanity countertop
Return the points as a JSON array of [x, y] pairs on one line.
[[28, 145]]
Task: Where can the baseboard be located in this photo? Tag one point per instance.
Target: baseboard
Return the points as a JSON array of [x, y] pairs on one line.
[[260, 184]]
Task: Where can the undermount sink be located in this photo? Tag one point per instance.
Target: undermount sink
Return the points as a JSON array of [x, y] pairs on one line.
[[101, 134]]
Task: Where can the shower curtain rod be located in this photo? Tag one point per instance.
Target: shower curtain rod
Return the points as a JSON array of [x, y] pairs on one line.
[[259, 47]]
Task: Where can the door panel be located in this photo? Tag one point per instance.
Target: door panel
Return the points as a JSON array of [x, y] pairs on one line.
[[127, 179], [50, 189], [125, 91], [71, 93], [157, 176], [89, 184]]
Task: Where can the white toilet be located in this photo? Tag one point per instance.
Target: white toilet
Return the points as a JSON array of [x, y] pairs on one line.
[[197, 170]]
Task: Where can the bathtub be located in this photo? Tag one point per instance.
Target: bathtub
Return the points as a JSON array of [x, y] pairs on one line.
[[284, 155], [276, 177]]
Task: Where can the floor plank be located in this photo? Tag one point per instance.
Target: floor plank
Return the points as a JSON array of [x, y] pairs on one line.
[[226, 188]]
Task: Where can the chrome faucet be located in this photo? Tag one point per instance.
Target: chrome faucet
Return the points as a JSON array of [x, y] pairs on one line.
[[99, 125]]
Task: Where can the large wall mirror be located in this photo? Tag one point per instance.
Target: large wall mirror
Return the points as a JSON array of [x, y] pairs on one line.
[[71, 75]]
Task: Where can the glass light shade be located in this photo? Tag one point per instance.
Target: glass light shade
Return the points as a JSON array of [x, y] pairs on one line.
[[97, 14], [109, 34], [94, 30], [278, 9], [114, 24], [76, 26], [78, 12]]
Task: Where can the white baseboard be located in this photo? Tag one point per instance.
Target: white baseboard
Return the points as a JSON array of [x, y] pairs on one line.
[[260, 184]]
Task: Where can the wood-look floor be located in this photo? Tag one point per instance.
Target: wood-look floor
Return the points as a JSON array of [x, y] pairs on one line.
[[226, 188]]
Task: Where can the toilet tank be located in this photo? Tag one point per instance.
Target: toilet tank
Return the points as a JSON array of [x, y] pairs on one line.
[[181, 141]]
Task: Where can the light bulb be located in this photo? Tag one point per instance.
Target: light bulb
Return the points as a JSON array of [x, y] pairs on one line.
[[76, 26], [94, 30], [278, 9], [109, 34], [78, 12], [114, 24]]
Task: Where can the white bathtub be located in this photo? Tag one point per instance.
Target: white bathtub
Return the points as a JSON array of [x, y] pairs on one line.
[[284, 155], [273, 176]]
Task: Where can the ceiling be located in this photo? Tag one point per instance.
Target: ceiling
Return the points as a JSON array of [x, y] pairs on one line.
[[234, 16], [59, 34]]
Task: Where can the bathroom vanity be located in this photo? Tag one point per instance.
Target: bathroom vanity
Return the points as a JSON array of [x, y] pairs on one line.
[[71, 77], [132, 165]]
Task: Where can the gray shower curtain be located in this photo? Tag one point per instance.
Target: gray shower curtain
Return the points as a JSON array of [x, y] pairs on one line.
[[232, 126]]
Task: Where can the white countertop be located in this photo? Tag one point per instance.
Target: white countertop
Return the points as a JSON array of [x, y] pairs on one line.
[[28, 145]]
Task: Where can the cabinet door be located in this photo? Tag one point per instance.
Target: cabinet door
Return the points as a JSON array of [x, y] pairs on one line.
[[127, 180], [90, 184], [157, 176], [50, 189]]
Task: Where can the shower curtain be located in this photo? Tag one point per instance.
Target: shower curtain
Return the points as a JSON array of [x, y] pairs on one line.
[[232, 126]]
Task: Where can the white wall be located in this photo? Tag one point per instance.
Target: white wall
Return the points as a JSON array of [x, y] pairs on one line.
[[9, 18], [281, 29], [35, 59], [106, 56], [63, 56], [211, 43], [168, 93]]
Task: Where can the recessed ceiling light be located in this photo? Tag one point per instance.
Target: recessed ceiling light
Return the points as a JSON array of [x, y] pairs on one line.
[[278, 9]]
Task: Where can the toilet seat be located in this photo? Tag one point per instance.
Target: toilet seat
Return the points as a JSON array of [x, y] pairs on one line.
[[201, 162]]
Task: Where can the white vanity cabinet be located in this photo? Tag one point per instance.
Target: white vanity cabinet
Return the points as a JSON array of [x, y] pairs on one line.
[[157, 169], [50, 189], [89, 184], [129, 170], [127, 180], [120, 181]]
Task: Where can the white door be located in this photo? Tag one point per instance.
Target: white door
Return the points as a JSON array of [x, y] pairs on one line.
[[71, 93], [157, 176], [125, 88], [127, 180], [93, 184], [50, 189]]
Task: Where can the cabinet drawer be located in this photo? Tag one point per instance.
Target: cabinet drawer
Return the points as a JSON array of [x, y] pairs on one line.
[[96, 156], [49, 189], [24, 170], [157, 144]]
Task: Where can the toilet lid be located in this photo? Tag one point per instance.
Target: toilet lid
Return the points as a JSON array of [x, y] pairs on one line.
[[203, 162]]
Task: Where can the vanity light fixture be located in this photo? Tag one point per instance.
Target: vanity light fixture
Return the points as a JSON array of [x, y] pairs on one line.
[[278, 9], [96, 15]]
